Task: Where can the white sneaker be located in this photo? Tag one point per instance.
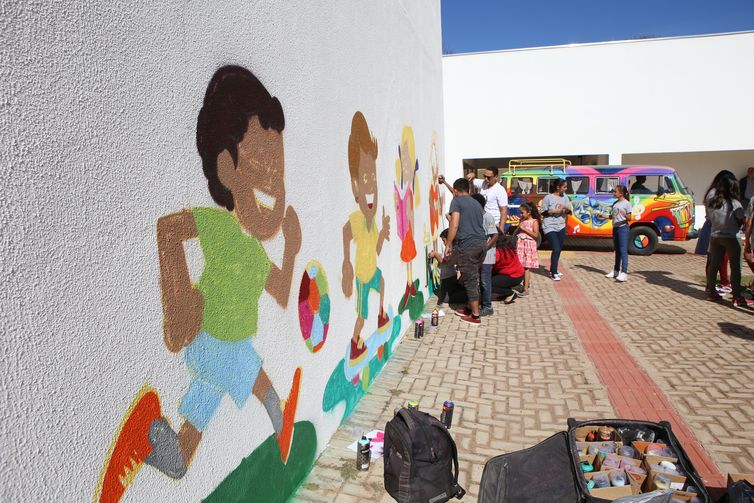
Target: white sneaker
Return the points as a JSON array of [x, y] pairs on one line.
[[559, 275], [611, 274], [555, 277], [724, 289], [622, 277]]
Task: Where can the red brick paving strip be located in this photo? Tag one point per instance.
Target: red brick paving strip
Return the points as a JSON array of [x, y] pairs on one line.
[[633, 394]]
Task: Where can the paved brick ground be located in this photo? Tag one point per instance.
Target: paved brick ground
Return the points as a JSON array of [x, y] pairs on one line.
[[518, 378]]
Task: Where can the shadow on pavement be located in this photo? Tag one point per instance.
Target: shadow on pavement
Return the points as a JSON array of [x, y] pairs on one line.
[[664, 278], [606, 245], [736, 330]]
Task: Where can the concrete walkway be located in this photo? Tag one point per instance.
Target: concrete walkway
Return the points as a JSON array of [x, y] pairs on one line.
[[585, 347]]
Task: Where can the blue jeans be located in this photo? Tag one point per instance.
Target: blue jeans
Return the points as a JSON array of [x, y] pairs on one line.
[[620, 244], [486, 283], [555, 238]]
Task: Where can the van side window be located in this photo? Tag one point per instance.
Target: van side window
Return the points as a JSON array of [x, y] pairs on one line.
[[650, 184], [577, 185], [543, 184], [668, 185], [606, 184], [521, 185]]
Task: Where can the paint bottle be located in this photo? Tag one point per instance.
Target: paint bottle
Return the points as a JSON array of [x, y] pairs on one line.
[[435, 317], [363, 454], [413, 404], [617, 478], [601, 480], [446, 417], [419, 329], [662, 481]]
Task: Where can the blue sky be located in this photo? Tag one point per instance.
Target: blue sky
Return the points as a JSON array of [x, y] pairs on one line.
[[488, 25]]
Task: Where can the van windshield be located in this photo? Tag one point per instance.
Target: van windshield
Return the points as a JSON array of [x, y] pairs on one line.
[[681, 186]]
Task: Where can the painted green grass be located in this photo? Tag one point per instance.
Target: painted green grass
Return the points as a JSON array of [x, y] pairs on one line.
[[262, 476]]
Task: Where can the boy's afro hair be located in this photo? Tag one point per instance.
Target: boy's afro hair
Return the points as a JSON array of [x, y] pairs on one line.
[[233, 96]]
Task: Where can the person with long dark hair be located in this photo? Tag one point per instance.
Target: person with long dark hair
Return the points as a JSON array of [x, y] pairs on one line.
[[555, 209], [621, 215], [702, 242], [526, 246], [726, 215]]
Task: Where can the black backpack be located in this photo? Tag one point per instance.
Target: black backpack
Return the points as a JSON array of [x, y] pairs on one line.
[[421, 460]]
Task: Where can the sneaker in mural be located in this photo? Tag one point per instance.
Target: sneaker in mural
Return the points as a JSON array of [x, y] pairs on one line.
[[289, 414], [130, 447], [166, 453]]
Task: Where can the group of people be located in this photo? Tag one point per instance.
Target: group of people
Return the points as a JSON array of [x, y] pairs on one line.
[[729, 205], [480, 260]]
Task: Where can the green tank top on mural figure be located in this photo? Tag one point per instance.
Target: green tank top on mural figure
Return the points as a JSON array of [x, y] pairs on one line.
[[235, 272]]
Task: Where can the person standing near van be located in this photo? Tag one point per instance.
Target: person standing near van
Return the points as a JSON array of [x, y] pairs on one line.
[[621, 214], [494, 193], [555, 209], [726, 215]]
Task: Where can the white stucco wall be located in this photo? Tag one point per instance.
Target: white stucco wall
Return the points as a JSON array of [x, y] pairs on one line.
[[666, 95], [98, 109]]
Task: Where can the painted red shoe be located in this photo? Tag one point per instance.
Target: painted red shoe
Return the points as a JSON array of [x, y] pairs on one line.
[[129, 447], [357, 353], [382, 321], [405, 298], [289, 415], [463, 312]]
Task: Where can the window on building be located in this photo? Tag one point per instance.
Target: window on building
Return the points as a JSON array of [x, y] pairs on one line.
[[606, 184], [577, 185]]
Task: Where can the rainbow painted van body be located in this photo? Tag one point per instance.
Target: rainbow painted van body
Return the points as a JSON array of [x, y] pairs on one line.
[[662, 207]]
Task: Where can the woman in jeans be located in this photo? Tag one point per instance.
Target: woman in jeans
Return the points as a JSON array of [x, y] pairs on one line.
[[621, 215], [555, 209], [726, 214]]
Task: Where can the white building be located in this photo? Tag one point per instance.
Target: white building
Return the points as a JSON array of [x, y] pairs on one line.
[[684, 102]]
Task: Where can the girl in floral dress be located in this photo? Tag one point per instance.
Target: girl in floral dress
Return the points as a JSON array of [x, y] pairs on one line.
[[528, 231]]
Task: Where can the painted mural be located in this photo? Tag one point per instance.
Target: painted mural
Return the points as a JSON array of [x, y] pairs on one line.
[[364, 358], [214, 322], [314, 306], [667, 215], [436, 204], [240, 142], [406, 196]]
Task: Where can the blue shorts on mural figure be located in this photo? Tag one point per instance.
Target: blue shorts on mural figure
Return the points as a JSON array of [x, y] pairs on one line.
[[218, 367], [362, 293]]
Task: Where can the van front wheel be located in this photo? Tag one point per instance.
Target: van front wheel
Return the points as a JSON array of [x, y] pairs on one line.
[[642, 240]]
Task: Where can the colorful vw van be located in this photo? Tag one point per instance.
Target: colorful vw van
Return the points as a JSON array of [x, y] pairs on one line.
[[663, 208]]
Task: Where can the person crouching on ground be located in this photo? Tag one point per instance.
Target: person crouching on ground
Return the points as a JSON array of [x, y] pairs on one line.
[[508, 270], [485, 273], [467, 240], [450, 286]]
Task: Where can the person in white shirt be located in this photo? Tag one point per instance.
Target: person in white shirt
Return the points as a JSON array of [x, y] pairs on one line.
[[494, 193]]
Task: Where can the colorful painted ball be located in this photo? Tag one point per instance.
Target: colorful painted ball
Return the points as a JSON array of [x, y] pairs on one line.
[[314, 306]]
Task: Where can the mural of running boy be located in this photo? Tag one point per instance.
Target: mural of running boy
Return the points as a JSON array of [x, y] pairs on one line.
[[361, 228], [240, 141]]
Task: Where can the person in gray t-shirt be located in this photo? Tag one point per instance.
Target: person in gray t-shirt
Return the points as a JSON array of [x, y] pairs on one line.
[[621, 216], [726, 214], [467, 244], [555, 208]]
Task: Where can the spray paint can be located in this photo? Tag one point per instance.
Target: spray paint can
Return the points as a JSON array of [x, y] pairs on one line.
[[419, 329], [435, 317], [413, 404], [446, 417], [363, 454]]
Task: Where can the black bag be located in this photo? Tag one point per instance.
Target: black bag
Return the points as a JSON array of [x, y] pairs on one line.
[[421, 461], [550, 471]]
